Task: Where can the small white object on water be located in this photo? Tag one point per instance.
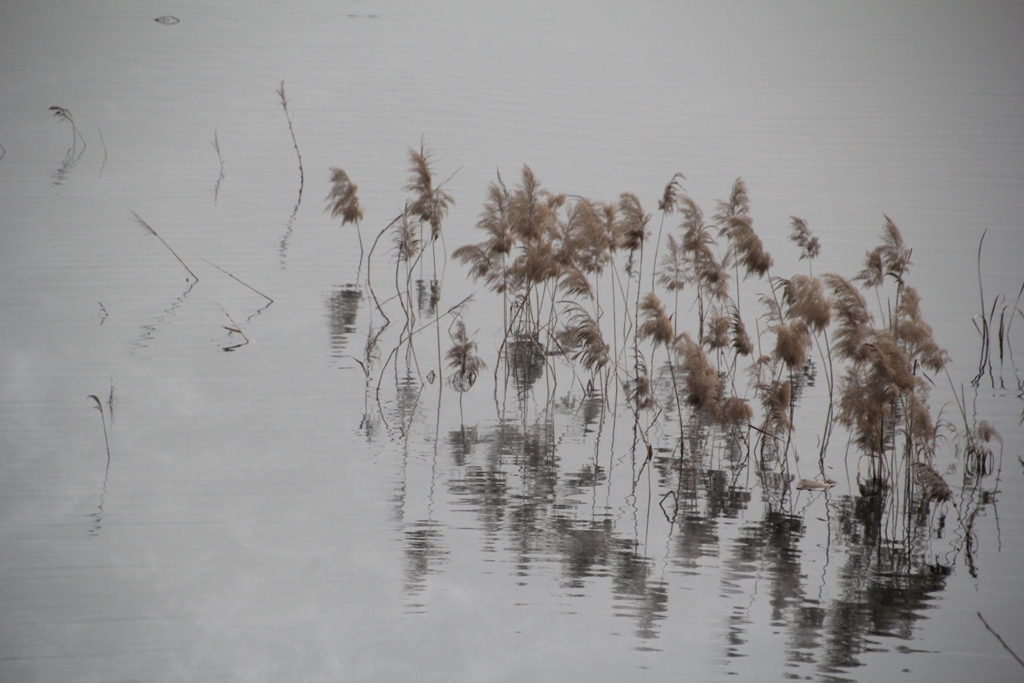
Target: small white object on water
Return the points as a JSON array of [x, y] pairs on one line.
[[814, 485]]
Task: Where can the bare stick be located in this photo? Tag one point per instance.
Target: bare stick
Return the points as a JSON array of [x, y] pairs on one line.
[[216, 146], [106, 439], [153, 232], [1000, 639], [104, 164], [235, 326], [246, 284], [295, 143]]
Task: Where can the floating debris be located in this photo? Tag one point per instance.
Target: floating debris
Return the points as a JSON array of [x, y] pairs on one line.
[[814, 485]]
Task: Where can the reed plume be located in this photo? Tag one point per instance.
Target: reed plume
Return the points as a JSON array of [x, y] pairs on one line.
[[792, 343], [716, 337], [666, 205], [851, 313], [631, 228], [574, 282], [734, 411], [487, 260], [700, 381], [672, 274], [405, 239], [463, 359], [705, 272], [343, 201], [741, 343], [747, 249], [915, 335], [583, 332], [809, 245], [657, 324], [586, 242], [639, 390], [430, 203], [776, 399], [806, 301], [889, 259], [738, 203]]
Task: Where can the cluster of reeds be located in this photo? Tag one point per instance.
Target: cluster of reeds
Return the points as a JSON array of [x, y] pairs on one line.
[[413, 233], [579, 291]]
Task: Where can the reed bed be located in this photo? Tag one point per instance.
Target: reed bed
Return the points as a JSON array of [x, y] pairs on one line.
[[671, 331]]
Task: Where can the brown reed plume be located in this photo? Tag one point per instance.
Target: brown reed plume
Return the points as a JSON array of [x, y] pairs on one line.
[[631, 228], [701, 385], [809, 245], [747, 250], [583, 332], [666, 205], [854, 322], [343, 201], [463, 360], [734, 411], [657, 325], [704, 271], [431, 202], [805, 300], [488, 260], [889, 259], [741, 343], [405, 240], [776, 401], [792, 344]]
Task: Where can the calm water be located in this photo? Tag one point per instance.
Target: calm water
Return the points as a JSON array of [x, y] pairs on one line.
[[250, 523]]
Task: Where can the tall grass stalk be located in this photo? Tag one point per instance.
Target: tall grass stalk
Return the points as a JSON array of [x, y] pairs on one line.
[[154, 233]]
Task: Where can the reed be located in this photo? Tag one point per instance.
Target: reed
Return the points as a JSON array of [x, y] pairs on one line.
[[295, 143], [106, 437], [667, 206], [343, 200], [463, 360], [62, 114], [553, 259], [149, 229], [800, 233], [220, 160]]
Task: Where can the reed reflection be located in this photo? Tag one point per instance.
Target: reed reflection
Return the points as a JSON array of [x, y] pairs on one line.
[[342, 311]]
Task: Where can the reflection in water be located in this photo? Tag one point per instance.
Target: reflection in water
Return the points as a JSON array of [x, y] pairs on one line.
[[342, 309], [424, 552], [530, 503], [526, 363], [427, 296], [149, 330]]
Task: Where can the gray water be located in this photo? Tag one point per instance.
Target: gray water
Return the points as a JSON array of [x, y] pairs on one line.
[[251, 523]]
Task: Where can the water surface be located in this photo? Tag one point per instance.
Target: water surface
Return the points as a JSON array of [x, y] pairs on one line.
[[251, 523]]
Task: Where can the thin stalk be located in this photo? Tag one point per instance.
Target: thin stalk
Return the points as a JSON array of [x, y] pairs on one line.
[[295, 143], [239, 281], [153, 232]]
